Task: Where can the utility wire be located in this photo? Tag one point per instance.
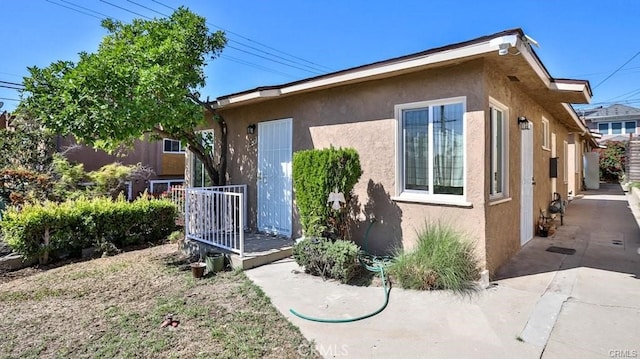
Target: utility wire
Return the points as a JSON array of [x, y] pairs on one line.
[[314, 69], [74, 9], [127, 10], [148, 8], [618, 69], [11, 83], [253, 41], [84, 8], [254, 65], [9, 99], [266, 58], [11, 87]]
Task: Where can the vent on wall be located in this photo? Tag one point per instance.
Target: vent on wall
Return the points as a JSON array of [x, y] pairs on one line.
[[513, 78]]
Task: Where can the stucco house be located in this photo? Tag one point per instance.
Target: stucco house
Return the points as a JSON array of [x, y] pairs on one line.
[[477, 134]]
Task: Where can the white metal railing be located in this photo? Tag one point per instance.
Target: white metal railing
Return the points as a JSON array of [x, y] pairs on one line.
[[164, 184], [178, 198], [217, 216]]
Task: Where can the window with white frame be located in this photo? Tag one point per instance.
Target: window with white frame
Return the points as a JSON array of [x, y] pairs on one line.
[[431, 150], [565, 162], [172, 146], [545, 134], [498, 150]]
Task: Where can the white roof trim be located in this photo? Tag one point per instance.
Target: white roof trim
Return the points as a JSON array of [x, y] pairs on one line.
[[360, 74]]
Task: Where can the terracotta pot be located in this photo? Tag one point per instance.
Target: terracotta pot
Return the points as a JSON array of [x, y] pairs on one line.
[[197, 269]]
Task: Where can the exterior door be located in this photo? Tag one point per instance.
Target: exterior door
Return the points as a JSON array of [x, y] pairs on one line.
[[526, 186], [274, 181]]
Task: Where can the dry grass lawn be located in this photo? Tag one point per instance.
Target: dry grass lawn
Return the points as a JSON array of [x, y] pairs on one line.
[[113, 308]]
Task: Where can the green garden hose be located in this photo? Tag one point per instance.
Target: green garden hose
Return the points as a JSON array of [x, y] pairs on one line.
[[373, 264]]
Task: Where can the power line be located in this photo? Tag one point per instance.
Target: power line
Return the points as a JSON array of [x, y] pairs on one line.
[[269, 57], [618, 69], [70, 8], [11, 87], [127, 10], [315, 70], [11, 83], [266, 58], [253, 41], [251, 64], [148, 8], [84, 8], [9, 99]]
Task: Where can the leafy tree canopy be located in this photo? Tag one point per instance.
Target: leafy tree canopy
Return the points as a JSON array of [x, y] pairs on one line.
[[143, 79]]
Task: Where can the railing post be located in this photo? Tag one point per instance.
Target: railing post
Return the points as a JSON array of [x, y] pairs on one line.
[[241, 226]]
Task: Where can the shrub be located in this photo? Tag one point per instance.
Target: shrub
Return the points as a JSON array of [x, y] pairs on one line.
[[19, 186], [38, 229], [440, 260], [316, 173], [328, 259], [612, 160], [68, 177]]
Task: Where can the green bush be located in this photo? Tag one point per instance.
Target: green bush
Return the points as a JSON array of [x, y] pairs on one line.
[[441, 259], [316, 173], [81, 223], [328, 259], [612, 160], [19, 186]]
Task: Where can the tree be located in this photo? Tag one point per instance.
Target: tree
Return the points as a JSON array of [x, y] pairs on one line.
[[142, 80], [25, 144]]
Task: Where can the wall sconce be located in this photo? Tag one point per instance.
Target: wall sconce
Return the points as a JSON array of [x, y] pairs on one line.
[[251, 129], [524, 123]]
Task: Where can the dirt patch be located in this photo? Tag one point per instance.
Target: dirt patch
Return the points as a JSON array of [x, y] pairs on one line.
[[114, 307]]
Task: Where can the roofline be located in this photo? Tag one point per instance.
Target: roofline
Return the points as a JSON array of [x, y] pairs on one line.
[[516, 31], [485, 44]]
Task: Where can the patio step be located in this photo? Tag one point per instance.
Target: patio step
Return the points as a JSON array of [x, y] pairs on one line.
[[261, 258]]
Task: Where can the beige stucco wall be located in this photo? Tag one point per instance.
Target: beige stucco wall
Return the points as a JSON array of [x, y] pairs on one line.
[[362, 116], [503, 220]]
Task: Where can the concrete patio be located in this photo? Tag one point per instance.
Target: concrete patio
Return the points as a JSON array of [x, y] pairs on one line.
[[543, 304]]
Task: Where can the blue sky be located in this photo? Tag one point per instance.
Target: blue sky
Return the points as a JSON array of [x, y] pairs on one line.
[[578, 39]]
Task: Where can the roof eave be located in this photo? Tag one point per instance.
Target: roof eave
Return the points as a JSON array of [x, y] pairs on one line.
[[378, 70]]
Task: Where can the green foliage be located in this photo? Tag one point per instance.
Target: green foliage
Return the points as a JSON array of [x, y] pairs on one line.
[[109, 180], [81, 223], [26, 144], [441, 259], [328, 259], [612, 160], [144, 78], [19, 186], [316, 173], [67, 176]]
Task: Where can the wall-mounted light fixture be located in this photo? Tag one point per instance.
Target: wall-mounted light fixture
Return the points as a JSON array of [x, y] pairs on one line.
[[251, 129], [524, 123]]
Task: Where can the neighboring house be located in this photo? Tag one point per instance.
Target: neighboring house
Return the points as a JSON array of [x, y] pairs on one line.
[[165, 158], [615, 123], [476, 134]]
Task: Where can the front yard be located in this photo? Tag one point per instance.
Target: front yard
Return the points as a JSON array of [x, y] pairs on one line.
[[114, 307]]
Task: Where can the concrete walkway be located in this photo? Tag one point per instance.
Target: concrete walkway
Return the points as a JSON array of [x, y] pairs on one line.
[[549, 305]]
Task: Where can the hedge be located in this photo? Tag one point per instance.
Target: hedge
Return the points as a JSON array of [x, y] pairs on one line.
[[316, 173], [37, 229]]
